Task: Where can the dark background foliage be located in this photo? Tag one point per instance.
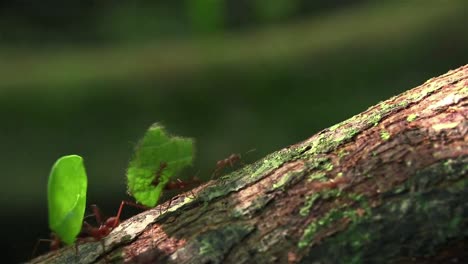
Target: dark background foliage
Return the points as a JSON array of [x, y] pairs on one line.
[[89, 77]]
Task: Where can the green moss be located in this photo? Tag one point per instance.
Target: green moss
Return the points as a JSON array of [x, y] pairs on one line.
[[281, 182], [206, 248], [355, 197], [347, 134], [385, 135], [411, 117], [345, 210], [312, 229], [304, 211], [320, 145], [125, 239], [374, 119], [460, 185], [342, 153], [386, 107], [399, 189], [464, 90], [270, 163], [424, 219], [351, 132], [403, 104], [214, 243], [317, 176], [216, 191], [327, 166], [330, 193], [287, 179], [424, 92], [334, 127], [448, 166]]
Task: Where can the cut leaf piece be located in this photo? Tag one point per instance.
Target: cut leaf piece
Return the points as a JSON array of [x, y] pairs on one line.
[[155, 149], [66, 195]]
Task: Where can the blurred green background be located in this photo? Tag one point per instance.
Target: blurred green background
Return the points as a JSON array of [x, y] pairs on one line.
[[89, 77]]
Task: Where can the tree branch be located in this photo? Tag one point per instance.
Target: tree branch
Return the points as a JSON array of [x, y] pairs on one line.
[[384, 186]]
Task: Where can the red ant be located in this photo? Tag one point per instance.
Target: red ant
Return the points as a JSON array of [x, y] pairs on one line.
[[180, 184], [107, 225], [54, 243], [87, 231], [222, 164], [173, 185], [177, 184]]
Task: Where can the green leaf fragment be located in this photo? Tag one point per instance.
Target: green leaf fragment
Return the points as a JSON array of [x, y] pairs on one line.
[[157, 148], [66, 197]]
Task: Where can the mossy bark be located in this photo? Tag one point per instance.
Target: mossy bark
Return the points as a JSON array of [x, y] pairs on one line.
[[386, 186]]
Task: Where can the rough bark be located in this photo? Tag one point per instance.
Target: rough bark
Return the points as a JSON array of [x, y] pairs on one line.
[[386, 186]]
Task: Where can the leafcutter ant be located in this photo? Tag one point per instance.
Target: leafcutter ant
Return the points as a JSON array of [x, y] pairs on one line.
[[177, 184], [232, 160], [89, 231], [173, 185], [54, 243], [182, 185], [105, 225]]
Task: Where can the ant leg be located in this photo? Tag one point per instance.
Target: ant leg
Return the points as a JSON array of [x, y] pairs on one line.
[[54, 241], [77, 244], [117, 217], [76, 247], [86, 228], [88, 216], [97, 213], [169, 205], [38, 242], [159, 209], [170, 202], [216, 172], [81, 240]]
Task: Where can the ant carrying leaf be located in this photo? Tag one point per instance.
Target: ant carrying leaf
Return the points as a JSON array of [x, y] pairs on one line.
[[67, 201], [66, 196], [105, 224], [157, 154], [68, 184]]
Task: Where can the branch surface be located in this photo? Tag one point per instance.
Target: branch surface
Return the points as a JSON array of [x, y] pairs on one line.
[[385, 186]]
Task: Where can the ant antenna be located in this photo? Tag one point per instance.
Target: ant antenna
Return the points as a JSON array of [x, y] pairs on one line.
[[117, 217], [54, 243]]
